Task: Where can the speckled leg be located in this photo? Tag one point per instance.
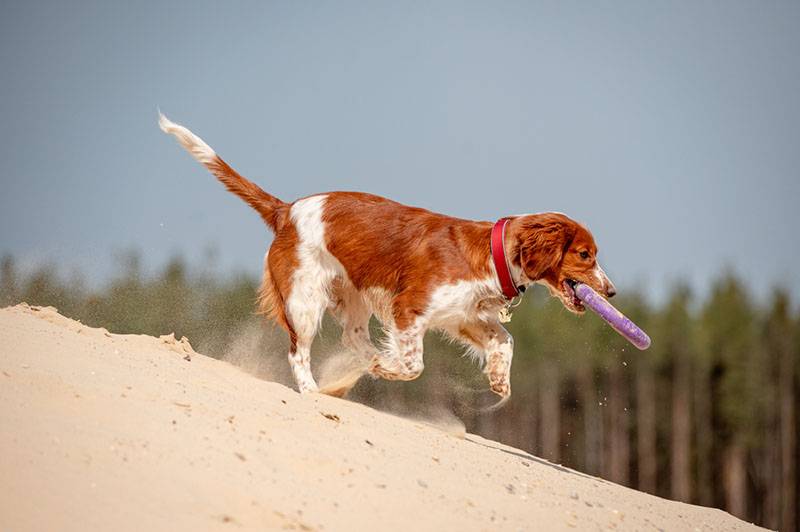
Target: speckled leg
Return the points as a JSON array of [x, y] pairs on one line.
[[497, 345], [401, 358]]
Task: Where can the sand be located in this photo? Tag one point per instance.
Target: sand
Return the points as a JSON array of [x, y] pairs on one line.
[[101, 431]]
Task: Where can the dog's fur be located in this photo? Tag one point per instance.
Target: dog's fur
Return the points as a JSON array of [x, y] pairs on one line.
[[356, 255]]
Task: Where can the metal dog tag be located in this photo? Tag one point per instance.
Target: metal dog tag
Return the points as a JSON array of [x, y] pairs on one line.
[[504, 315]]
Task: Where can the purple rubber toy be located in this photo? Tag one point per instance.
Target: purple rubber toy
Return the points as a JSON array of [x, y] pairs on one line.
[[612, 316]]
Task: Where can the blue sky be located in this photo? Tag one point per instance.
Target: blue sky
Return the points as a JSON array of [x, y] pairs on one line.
[[671, 129]]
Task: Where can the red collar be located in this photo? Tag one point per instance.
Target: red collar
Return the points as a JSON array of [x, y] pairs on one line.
[[510, 290]]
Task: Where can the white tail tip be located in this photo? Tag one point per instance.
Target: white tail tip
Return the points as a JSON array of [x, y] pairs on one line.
[[193, 144], [164, 123]]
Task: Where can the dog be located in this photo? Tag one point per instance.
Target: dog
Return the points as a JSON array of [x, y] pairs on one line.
[[356, 254]]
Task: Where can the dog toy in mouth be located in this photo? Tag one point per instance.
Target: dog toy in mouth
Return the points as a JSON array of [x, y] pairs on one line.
[[618, 321]]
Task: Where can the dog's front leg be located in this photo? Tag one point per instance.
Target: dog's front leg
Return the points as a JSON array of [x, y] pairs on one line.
[[498, 347]]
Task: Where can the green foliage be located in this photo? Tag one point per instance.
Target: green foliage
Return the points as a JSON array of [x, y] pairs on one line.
[[728, 329]]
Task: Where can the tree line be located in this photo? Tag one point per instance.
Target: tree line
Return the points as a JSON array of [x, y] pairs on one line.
[[707, 415]]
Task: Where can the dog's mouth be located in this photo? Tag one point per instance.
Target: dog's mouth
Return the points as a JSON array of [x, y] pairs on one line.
[[568, 297]]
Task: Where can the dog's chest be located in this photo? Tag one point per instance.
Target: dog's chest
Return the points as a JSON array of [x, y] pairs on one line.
[[447, 305], [464, 302]]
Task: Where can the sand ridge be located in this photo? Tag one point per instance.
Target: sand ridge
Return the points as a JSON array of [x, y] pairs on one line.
[[129, 432]]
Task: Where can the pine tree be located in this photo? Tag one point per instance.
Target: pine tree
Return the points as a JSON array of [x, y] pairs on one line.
[[730, 342], [779, 467], [675, 346]]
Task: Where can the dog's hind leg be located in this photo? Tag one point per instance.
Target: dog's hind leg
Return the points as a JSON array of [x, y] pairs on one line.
[[401, 357], [304, 307], [353, 314], [349, 308], [310, 282]]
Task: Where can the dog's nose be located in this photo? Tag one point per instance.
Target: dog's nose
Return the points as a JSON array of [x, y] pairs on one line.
[[605, 282]]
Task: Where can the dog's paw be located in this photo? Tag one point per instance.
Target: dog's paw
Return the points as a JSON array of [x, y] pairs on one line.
[[500, 385], [339, 392], [305, 387], [384, 369]]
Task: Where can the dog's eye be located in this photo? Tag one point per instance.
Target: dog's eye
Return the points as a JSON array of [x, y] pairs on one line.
[[584, 254]]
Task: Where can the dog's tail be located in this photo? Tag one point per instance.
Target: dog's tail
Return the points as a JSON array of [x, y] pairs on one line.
[[267, 205]]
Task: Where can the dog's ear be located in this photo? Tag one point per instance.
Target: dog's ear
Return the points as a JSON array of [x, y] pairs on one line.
[[543, 241]]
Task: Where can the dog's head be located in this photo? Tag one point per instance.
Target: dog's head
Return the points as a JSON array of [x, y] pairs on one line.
[[554, 250]]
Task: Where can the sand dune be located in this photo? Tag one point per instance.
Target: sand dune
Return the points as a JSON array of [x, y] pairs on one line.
[[124, 432]]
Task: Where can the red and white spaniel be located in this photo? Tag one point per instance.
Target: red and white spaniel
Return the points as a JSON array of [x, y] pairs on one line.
[[357, 254]]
